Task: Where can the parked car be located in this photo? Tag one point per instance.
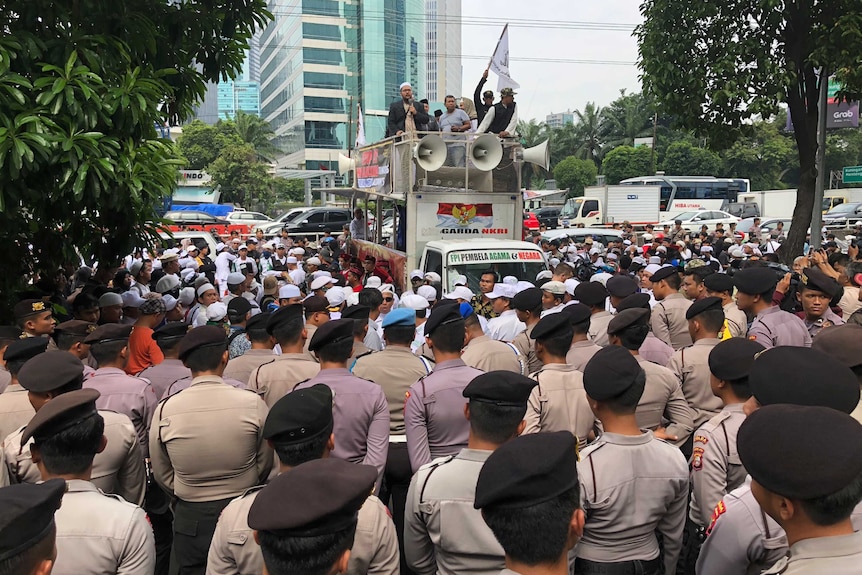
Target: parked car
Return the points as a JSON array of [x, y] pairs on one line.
[[192, 217], [251, 218], [844, 215], [743, 209], [274, 227], [531, 222], [693, 220], [318, 219], [766, 226], [176, 238], [578, 235], [548, 216]]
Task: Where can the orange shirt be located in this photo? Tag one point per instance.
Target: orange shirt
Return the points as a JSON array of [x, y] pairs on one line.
[[143, 351]]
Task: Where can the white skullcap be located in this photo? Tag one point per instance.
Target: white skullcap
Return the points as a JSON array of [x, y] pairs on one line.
[[373, 282], [205, 288], [335, 297], [131, 299], [288, 291], [571, 284], [170, 302], [414, 301], [403, 84], [187, 296], [110, 298]]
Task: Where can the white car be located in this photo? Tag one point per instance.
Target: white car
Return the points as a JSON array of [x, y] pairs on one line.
[[273, 227], [252, 219], [692, 221]]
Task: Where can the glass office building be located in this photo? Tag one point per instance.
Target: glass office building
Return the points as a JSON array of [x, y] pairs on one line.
[[239, 95]]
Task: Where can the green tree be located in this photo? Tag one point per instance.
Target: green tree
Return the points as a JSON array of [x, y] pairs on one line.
[[844, 148], [683, 159], [628, 117], [201, 143], [289, 190], [764, 156], [588, 133], [575, 174], [83, 85], [254, 130], [626, 162], [241, 177], [716, 65]]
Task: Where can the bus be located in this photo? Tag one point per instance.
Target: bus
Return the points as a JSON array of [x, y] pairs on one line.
[[681, 193]]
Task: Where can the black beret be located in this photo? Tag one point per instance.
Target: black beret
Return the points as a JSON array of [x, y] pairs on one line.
[[636, 300], [814, 279], [718, 283], [258, 321], [802, 376], [528, 470], [610, 372], [356, 312], [315, 498], [334, 331], [703, 305], [591, 293], [315, 303], [755, 280], [788, 462], [109, 332], [24, 349], [732, 358], [577, 313], [841, 342], [28, 307], [500, 388], [663, 273], [441, 315], [171, 330], [553, 325], [27, 514], [528, 299], [75, 327], [627, 318], [49, 371], [285, 314], [204, 336], [300, 415], [61, 413], [238, 307], [621, 286], [10, 332]]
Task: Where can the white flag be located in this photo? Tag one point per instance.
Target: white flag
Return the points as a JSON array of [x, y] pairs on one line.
[[500, 62], [360, 129]]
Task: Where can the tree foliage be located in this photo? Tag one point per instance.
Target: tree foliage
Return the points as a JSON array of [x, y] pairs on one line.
[[82, 86], [765, 156], [684, 159], [575, 174], [626, 162], [242, 179], [201, 143], [716, 65]]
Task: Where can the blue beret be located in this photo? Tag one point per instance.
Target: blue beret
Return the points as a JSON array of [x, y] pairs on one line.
[[400, 316]]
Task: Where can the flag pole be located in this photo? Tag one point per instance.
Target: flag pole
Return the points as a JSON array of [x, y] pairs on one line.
[[500, 39], [350, 144]]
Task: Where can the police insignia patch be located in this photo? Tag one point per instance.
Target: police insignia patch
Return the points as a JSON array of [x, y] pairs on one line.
[[701, 439], [716, 513], [697, 458]]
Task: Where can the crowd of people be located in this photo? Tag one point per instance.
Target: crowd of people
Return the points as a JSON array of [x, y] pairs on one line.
[[666, 403]]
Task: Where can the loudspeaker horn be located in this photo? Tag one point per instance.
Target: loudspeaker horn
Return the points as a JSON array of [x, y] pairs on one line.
[[430, 153], [539, 155], [486, 152], [345, 164]]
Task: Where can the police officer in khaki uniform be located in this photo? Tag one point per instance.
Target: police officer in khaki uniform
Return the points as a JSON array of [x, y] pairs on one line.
[[844, 344], [771, 326], [120, 392], [815, 292], [434, 409], [721, 285], [8, 334], [118, 469], [15, 408], [299, 428], [633, 486], [361, 412], [96, 533], [582, 347], [652, 349], [161, 376], [277, 378], [691, 364], [444, 533], [316, 314], [528, 307], [668, 316], [485, 353], [34, 317], [28, 532], [359, 314], [741, 537], [595, 296], [69, 336], [662, 407], [558, 402], [207, 446], [240, 368]]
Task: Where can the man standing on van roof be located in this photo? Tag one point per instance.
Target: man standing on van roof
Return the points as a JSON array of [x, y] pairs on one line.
[[502, 117]]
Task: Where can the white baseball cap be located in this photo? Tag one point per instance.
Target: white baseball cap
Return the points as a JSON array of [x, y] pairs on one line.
[[374, 282], [318, 283], [571, 284], [315, 261], [131, 298], [460, 280], [335, 297], [460, 292], [414, 301], [417, 274], [288, 291], [428, 292], [216, 311], [433, 277]]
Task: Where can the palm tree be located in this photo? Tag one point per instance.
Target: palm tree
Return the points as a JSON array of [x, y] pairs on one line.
[[628, 117], [587, 131], [256, 131]]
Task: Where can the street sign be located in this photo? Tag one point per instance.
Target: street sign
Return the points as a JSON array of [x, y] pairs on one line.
[[852, 175]]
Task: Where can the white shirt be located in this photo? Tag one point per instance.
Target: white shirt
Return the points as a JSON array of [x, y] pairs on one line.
[[555, 309], [505, 327], [358, 229], [489, 117]]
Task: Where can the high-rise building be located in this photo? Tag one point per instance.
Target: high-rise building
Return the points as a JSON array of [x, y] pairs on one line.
[[321, 59], [443, 46], [236, 96], [559, 120]]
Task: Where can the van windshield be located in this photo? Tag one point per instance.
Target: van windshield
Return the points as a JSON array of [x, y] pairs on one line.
[[526, 271]]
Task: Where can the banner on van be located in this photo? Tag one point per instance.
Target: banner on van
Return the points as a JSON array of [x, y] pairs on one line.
[[494, 256]]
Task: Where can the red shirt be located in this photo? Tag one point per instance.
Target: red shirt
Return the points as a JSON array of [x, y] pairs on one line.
[[143, 351]]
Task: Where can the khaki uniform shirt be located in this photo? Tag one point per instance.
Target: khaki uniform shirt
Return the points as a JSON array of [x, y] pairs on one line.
[[691, 366], [309, 329], [527, 347], [240, 368], [491, 355], [4, 472], [359, 349], [580, 353], [559, 403], [275, 379], [15, 409], [737, 322], [715, 465], [207, 441], [668, 321], [434, 413], [598, 332], [394, 369], [126, 394], [632, 487], [443, 533], [839, 555], [774, 327], [233, 550], [655, 350], [663, 403], [119, 469], [99, 534], [163, 375], [5, 378]]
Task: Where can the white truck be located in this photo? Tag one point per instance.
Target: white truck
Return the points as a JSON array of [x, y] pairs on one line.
[[772, 203], [602, 205]]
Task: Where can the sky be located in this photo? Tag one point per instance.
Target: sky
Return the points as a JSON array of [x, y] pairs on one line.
[[547, 86]]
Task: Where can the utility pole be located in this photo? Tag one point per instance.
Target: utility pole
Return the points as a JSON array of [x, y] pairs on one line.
[[820, 163]]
